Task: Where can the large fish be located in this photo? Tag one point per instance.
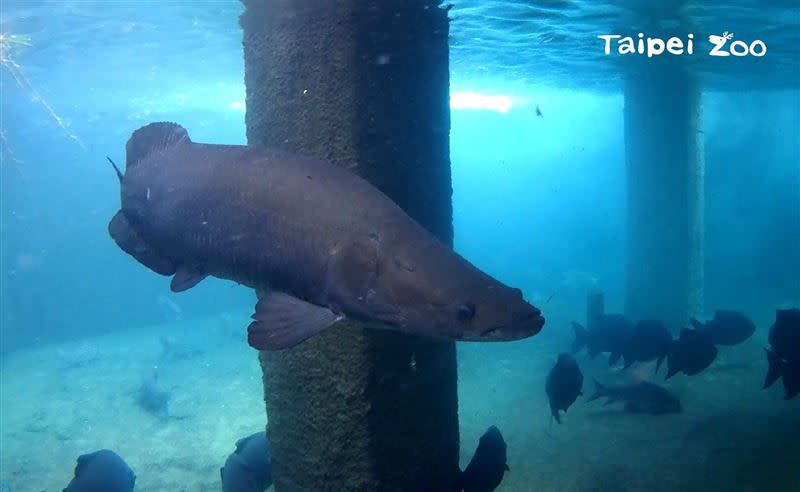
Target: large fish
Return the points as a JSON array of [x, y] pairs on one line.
[[317, 243]]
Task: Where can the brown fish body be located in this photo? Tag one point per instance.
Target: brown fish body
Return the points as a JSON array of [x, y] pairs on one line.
[[290, 224]]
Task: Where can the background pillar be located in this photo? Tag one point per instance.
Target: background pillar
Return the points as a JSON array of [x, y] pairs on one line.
[[363, 84], [665, 168]]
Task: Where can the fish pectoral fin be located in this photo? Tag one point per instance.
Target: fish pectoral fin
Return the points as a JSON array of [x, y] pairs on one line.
[[186, 278], [283, 321]]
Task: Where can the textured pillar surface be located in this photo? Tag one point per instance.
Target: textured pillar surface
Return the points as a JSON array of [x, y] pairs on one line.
[[793, 228], [365, 85], [595, 307], [665, 168]]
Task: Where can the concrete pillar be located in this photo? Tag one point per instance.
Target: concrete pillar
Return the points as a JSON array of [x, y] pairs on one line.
[[665, 168], [793, 228], [595, 306], [365, 85]]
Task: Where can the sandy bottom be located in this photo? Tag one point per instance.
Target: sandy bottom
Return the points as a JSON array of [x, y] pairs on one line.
[[58, 402]]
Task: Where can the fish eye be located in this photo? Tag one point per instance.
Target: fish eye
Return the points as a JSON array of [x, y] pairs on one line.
[[466, 311]]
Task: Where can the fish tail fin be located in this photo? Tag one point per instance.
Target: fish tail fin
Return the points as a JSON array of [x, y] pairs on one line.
[[152, 138], [599, 391], [116, 169], [581, 337], [775, 368]]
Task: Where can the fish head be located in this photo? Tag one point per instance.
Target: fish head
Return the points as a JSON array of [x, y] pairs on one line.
[[437, 293], [493, 312]]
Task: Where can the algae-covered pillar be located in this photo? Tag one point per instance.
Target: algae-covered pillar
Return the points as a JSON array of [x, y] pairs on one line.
[[365, 85], [665, 168]]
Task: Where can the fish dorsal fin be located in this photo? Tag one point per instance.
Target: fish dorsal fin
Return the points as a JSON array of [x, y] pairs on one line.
[[152, 138]]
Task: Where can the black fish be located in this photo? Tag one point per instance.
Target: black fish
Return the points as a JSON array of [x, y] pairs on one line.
[[248, 468], [650, 340], [727, 327], [691, 353], [317, 242], [642, 397], [488, 465], [606, 333], [783, 356], [563, 385], [102, 471]]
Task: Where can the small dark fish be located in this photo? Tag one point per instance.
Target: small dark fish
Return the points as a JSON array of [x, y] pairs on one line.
[[606, 333], [642, 397], [691, 353], [488, 465], [727, 327], [152, 398], [563, 385], [783, 356], [248, 468], [650, 340], [102, 471], [539, 112]]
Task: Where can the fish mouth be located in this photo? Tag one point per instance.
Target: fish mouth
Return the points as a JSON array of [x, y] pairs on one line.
[[524, 327]]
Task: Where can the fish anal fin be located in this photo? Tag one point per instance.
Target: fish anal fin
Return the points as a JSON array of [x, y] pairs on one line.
[[283, 321]]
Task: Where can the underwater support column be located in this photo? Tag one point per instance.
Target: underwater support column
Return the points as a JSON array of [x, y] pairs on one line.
[[793, 227], [595, 306], [665, 170], [363, 84]]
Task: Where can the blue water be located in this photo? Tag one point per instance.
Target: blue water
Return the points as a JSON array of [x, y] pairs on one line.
[[539, 202]]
